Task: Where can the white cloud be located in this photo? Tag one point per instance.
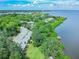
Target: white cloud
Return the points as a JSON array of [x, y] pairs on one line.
[[20, 5], [35, 2], [16, 5], [53, 4]]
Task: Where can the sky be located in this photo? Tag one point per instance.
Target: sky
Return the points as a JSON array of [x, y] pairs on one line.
[[39, 4]]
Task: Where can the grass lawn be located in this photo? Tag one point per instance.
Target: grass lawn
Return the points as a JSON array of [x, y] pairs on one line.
[[34, 53]]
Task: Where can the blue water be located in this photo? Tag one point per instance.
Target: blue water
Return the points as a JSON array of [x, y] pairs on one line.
[[69, 32]]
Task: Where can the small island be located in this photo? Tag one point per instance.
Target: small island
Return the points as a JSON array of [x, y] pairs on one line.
[[30, 36]]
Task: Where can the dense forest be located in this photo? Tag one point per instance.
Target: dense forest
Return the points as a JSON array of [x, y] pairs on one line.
[[44, 41]]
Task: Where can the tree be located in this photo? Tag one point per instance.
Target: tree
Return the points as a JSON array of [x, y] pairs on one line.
[[4, 53], [9, 49], [15, 55]]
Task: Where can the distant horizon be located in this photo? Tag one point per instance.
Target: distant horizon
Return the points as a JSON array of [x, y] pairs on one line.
[[25, 11]]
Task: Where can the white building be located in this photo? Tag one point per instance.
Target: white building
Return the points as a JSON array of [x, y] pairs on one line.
[[23, 37]]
